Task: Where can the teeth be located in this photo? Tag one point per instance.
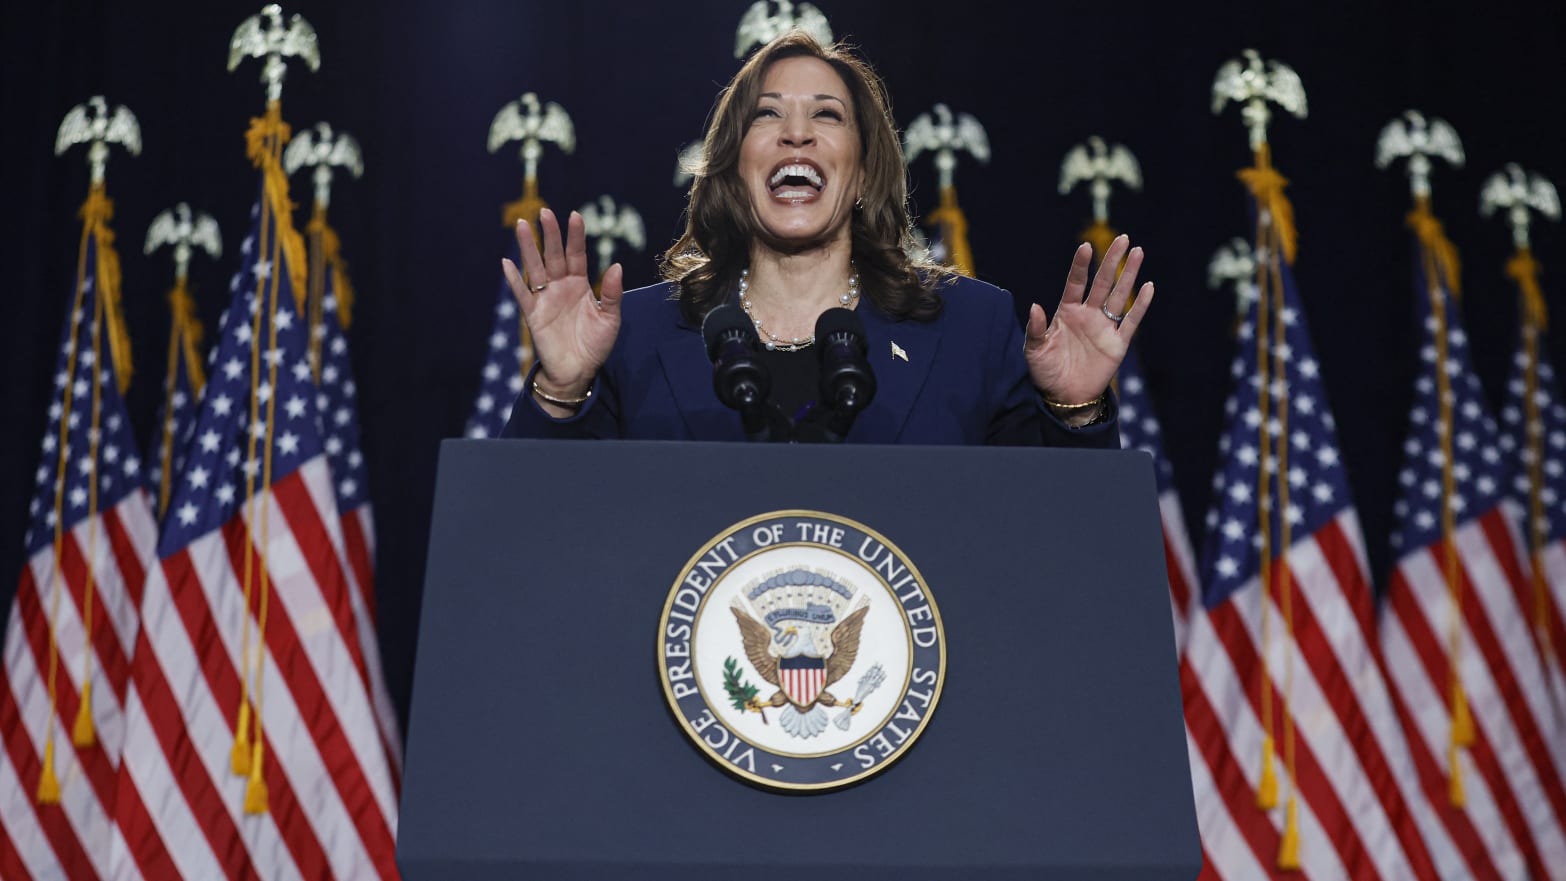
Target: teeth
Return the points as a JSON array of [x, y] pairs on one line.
[[798, 170]]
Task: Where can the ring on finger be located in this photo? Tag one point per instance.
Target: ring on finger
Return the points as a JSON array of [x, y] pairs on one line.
[[536, 288], [1110, 315]]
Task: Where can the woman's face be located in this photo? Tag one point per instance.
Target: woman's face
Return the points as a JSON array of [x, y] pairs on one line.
[[800, 158]]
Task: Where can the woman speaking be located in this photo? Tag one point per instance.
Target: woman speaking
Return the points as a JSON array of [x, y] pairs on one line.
[[800, 206]]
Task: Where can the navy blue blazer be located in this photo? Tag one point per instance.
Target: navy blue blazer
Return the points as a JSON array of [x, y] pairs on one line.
[[960, 379]]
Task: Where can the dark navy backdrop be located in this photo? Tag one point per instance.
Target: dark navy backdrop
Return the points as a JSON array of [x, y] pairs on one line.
[[418, 83]]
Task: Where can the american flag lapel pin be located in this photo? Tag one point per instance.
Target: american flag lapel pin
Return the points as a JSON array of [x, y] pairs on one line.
[[897, 352]]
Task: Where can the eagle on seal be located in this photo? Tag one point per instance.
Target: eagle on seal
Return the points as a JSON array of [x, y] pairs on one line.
[[801, 657]]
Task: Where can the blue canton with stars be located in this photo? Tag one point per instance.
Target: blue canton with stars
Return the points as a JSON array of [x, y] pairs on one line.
[[1138, 424], [212, 486], [1514, 440], [336, 400], [1477, 469], [117, 466], [503, 366], [180, 407], [1318, 488]]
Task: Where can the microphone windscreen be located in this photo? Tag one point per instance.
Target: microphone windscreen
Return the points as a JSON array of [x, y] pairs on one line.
[[720, 322], [838, 320]]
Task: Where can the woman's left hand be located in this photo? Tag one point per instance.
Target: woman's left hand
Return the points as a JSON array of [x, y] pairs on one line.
[[1073, 358]]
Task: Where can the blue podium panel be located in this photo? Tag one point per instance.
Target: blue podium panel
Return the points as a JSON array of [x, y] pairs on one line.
[[541, 745]]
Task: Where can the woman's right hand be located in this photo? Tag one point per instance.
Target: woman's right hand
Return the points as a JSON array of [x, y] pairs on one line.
[[573, 331]]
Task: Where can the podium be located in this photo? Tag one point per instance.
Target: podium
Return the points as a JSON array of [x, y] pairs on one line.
[[541, 745]]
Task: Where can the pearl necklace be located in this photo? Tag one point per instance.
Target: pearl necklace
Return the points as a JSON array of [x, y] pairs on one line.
[[776, 342]]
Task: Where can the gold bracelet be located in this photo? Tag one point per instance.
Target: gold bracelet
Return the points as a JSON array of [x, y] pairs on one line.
[[1055, 404], [561, 402]]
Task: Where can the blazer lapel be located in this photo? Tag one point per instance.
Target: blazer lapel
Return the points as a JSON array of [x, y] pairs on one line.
[[901, 354]]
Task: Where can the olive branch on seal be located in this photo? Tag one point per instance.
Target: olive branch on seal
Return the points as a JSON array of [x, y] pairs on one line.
[[741, 693]]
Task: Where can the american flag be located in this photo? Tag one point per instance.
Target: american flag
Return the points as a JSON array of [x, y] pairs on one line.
[[89, 541], [336, 401], [1455, 631], [1302, 762], [248, 618], [508, 361], [182, 387], [1533, 439], [1139, 431]]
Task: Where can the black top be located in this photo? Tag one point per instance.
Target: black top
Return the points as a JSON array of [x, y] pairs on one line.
[[796, 377]]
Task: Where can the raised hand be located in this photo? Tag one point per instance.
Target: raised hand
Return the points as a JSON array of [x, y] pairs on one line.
[[1073, 357], [573, 331]]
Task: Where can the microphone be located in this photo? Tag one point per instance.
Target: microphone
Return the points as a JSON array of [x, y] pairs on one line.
[[741, 381], [847, 382]]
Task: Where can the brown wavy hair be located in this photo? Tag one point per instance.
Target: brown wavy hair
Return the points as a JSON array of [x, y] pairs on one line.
[[720, 224]]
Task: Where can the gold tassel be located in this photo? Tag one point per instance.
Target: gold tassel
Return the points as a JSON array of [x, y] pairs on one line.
[[109, 287], [1100, 235], [255, 789], [954, 232], [187, 328], [82, 733], [1267, 789], [1524, 270], [1289, 847], [1266, 184], [263, 144], [239, 756], [1454, 780], [1462, 720], [96, 213], [98, 208], [1431, 236], [48, 786], [343, 290], [331, 252], [525, 208]]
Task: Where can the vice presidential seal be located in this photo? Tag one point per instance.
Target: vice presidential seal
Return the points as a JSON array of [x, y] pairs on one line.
[[801, 650]]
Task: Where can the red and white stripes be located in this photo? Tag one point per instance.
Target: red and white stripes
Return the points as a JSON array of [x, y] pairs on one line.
[[71, 839], [332, 795], [1512, 773], [356, 536], [1359, 814]]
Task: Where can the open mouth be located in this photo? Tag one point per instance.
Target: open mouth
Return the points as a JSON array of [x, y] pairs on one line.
[[795, 180]]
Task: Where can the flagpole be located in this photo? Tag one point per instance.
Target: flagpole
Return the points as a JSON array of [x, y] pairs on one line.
[[321, 149], [98, 131], [1521, 194], [1418, 140], [264, 141], [534, 123], [1252, 85], [1100, 166], [945, 134], [605, 223], [184, 231]]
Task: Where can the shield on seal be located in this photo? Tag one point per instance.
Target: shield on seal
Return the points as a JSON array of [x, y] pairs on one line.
[[802, 678]]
